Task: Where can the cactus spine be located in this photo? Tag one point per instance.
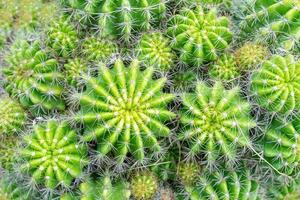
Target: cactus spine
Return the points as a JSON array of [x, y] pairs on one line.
[[74, 70], [143, 185]]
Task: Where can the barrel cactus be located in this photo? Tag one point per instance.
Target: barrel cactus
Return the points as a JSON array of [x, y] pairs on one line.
[[276, 84], [216, 121], [52, 155], [188, 172], [154, 50], [289, 191], [184, 80], [8, 145], [125, 110], [199, 36], [34, 78], [74, 69], [143, 185]]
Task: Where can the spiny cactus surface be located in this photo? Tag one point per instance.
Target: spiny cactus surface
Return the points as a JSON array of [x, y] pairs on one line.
[[75, 69], [143, 185]]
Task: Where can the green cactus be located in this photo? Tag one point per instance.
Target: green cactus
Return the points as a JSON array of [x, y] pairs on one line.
[[52, 155], [8, 145], [62, 38], [13, 116], [274, 21], [225, 68], [281, 191], [153, 49], [125, 109], [122, 18], [10, 189], [250, 55], [280, 145], [276, 84], [183, 80], [143, 185], [216, 121], [33, 77], [199, 36], [166, 168], [74, 69], [188, 172]]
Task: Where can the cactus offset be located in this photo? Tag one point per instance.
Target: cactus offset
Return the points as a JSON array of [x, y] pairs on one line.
[[143, 185], [8, 145], [74, 70], [188, 172]]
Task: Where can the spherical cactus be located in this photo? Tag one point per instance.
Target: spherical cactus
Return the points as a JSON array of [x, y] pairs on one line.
[[280, 191], [199, 36], [62, 38], [122, 18], [74, 69], [143, 185], [216, 121], [34, 78], [225, 68], [13, 116], [97, 49], [8, 145], [250, 55], [188, 172], [280, 145], [153, 49], [271, 21], [276, 84], [125, 110], [10, 189], [228, 184], [52, 155]]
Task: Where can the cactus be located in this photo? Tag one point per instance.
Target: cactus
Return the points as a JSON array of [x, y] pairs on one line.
[[166, 168], [74, 70], [122, 18], [52, 155], [183, 81], [143, 185], [276, 85], [225, 68], [188, 172], [62, 38], [216, 121], [125, 109], [250, 55], [280, 145], [8, 145], [279, 191], [34, 78], [275, 22], [153, 49], [198, 36], [12, 115]]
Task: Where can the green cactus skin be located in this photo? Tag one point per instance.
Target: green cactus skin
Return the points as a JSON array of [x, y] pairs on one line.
[[225, 185], [13, 116], [250, 55], [122, 18], [62, 38], [183, 81], [276, 84], [166, 169], [143, 185], [124, 108], [11, 190], [281, 145], [52, 154], [154, 50], [199, 36], [74, 70], [225, 68], [188, 172], [281, 191], [216, 121], [34, 78], [8, 145], [97, 49], [274, 21]]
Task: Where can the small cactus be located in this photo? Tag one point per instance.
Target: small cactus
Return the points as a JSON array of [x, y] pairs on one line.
[[280, 191], [74, 69], [52, 154], [13, 116], [8, 145], [184, 80], [188, 172], [143, 185], [153, 49], [198, 36], [124, 108], [34, 78], [166, 168], [276, 84], [216, 121]]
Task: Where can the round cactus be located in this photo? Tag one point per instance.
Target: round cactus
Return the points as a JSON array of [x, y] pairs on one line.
[[143, 185], [199, 36], [122, 18], [34, 78], [188, 172], [280, 191], [276, 84], [281, 145], [13, 116], [225, 68], [12, 190], [124, 108], [62, 38], [8, 145], [74, 70], [52, 155], [153, 49], [250, 55], [216, 121]]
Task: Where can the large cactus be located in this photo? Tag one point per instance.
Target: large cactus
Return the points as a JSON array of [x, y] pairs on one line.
[[33, 77], [125, 110], [276, 84], [52, 154], [199, 36]]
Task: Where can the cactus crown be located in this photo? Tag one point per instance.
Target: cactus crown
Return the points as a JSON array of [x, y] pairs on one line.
[[188, 172], [143, 185], [74, 70]]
